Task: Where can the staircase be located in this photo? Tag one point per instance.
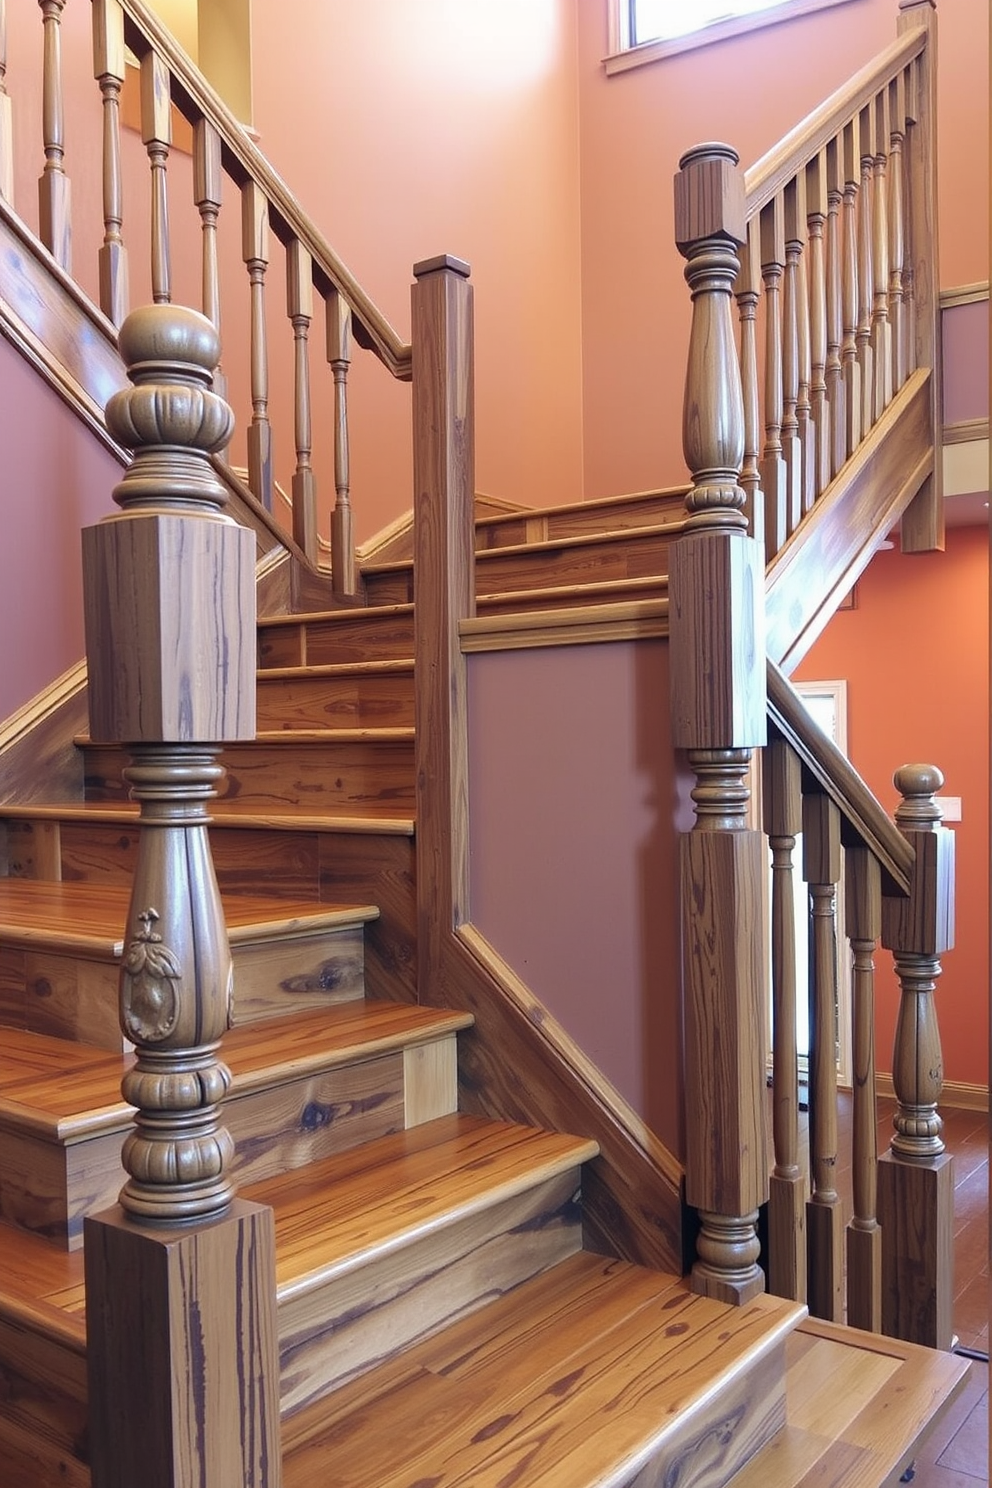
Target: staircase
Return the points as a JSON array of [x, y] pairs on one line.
[[463, 1291]]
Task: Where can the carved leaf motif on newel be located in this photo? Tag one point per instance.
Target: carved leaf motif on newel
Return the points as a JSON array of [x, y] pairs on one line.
[[150, 985]]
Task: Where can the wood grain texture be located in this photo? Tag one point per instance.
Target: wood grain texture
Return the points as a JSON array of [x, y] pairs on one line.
[[362, 695], [208, 1292], [444, 486], [916, 1212], [38, 759], [571, 625], [595, 1371], [324, 639]]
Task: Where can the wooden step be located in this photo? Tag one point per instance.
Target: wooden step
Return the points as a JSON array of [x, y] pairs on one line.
[[604, 514], [595, 1373], [635, 552], [379, 1247], [364, 695], [61, 946], [363, 771], [302, 1087], [381, 632], [858, 1407], [331, 857]]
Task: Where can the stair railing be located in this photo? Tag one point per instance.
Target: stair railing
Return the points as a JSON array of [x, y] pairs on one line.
[[221, 149], [895, 1251], [169, 586], [850, 418]]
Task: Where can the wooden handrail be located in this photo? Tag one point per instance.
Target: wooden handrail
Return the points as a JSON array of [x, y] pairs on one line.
[[839, 780], [194, 98], [769, 175]]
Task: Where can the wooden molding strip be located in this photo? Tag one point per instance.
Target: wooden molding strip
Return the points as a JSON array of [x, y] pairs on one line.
[[964, 294], [838, 777], [583, 625], [194, 97], [774, 170], [40, 708], [966, 431], [956, 1093]]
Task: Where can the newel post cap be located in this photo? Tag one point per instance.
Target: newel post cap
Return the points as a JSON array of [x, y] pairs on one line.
[[709, 196]]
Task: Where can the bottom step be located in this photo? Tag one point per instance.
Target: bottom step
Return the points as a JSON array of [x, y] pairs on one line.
[[596, 1373], [858, 1407]]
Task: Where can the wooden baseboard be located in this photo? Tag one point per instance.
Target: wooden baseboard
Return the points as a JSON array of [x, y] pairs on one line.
[[957, 1094]]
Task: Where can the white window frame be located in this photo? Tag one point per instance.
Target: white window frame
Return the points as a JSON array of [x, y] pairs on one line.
[[624, 55]]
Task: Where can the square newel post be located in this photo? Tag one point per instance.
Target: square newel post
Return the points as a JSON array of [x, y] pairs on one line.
[[444, 565], [716, 588], [916, 1175], [180, 1276]]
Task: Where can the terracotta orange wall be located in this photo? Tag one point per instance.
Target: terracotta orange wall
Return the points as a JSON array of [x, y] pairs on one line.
[[414, 129], [573, 852], [915, 656], [749, 92]]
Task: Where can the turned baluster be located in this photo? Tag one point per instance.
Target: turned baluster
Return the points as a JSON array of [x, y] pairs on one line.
[[170, 635], [854, 405], [108, 69], [816, 203], [793, 211], [6, 117], [345, 573], [718, 715], [781, 785], [881, 326], [54, 223], [156, 136], [824, 1216], [207, 193], [804, 416], [255, 252], [863, 900], [897, 243], [916, 1175], [774, 475], [835, 330], [866, 273], [747, 290], [299, 308]]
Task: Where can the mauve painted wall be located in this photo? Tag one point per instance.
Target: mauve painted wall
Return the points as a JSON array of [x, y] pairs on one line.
[[574, 801], [965, 339], [57, 478]]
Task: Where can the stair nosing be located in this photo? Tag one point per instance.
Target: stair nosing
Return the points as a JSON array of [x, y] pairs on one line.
[[221, 815]]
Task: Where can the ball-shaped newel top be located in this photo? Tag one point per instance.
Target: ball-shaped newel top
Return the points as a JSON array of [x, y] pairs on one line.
[[169, 417], [918, 785]]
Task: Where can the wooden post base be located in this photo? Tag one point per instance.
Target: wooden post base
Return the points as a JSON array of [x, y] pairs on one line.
[[787, 1237], [916, 1213], [182, 1354], [825, 1260], [864, 1278]]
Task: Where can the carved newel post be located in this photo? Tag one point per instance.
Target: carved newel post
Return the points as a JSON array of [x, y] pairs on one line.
[[716, 592], [916, 1175], [180, 1281]]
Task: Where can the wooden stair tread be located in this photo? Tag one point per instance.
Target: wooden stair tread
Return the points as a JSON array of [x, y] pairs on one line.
[[336, 617], [92, 915], [598, 592], [401, 666], [223, 812], [674, 495], [570, 1380], [41, 1284], [857, 1405], [544, 546], [297, 737], [67, 1092], [336, 1213]]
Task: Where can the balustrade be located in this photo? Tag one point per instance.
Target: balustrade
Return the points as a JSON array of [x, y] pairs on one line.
[[54, 217]]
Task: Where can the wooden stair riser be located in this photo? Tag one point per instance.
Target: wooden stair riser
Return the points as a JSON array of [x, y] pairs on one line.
[[650, 509], [43, 1409], [330, 867], [71, 996], [344, 636], [48, 1187], [368, 775], [308, 701], [641, 554], [342, 1328]]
